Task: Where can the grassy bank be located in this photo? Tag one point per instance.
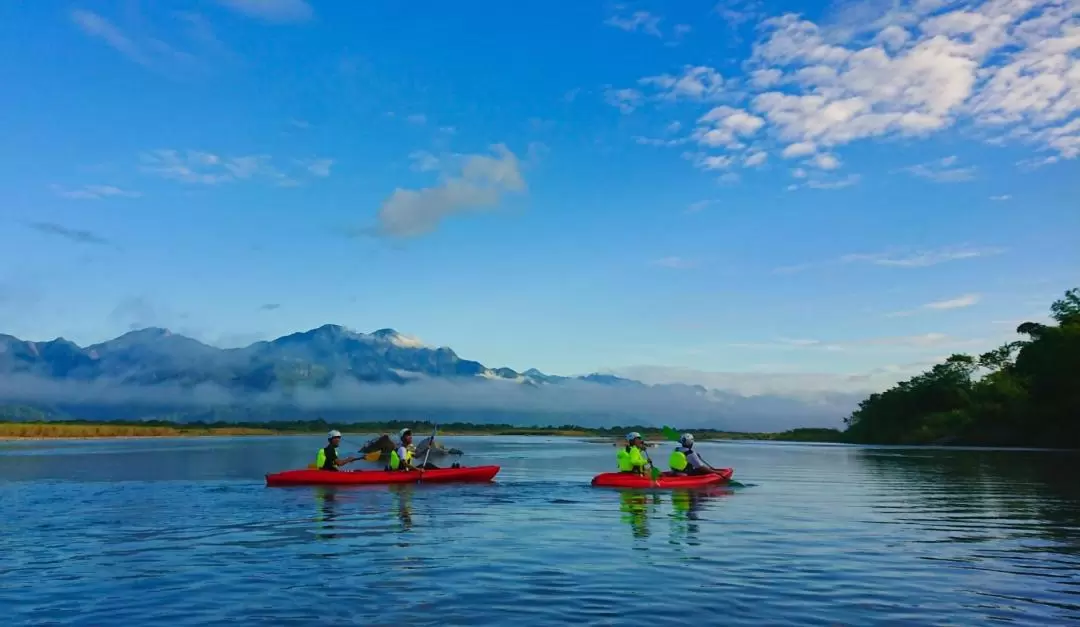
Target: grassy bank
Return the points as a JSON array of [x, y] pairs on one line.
[[160, 428]]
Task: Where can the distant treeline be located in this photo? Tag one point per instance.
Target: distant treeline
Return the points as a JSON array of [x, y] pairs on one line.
[[1025, 393], [31, 426]]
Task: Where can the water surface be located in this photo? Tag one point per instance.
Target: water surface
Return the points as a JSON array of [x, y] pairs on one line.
[[185, 532]]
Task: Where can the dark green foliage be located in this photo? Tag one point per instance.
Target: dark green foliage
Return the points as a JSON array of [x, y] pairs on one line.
[[1025, 393]]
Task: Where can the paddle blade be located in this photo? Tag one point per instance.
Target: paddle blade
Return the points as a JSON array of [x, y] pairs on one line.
[[655, 473], [373, 456], [670, 434]]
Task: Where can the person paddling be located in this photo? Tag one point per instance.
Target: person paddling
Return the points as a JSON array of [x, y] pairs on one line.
[[630, 457], [401, 457], [328, 457], [684, 459]]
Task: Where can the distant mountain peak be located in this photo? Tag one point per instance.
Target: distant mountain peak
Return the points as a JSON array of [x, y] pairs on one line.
[[398, 339]]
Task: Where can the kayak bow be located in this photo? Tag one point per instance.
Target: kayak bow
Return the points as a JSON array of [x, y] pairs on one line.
[[367, 477]]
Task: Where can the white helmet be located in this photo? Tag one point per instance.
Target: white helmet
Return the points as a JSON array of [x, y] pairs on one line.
[[687, 439], [633, 435], [404, 432], [333, 434]]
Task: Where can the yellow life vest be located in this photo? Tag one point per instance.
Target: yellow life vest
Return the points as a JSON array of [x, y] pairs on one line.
[[395, 459]]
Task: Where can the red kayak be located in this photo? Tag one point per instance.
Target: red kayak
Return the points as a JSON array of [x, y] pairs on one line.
[[666, 481], [367, 477]]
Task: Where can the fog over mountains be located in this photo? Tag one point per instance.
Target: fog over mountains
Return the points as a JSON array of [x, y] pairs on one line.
[[339, 374]]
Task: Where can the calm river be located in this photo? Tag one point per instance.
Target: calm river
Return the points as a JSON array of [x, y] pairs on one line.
[[185, 532]]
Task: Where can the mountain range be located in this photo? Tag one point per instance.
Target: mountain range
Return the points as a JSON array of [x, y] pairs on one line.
[[331, 369]]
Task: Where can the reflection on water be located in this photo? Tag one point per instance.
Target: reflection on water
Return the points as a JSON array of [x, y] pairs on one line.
[[186, 533], [636, 507]]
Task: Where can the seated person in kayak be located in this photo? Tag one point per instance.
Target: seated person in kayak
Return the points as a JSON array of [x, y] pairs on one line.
[[401, 457], [684, 459], [630, 457], [328, 458]]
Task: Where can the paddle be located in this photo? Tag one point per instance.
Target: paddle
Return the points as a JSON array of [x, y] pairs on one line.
[[431, 445], [674, 436]]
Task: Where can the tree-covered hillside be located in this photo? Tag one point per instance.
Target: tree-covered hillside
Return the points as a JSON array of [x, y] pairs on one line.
[[1025, 393]]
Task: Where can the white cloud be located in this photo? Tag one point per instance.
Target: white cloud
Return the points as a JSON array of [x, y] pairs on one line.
[[94, 192], [825, 161], [765, 78], [417, 118], [725, 126], [674, 127], [942, 171], [1001, 198], [626, 100], [800, 149], [707, 162], [694, 83], [637, 21], [755, 159], [279, 11], [480, 184], [1010, 68]]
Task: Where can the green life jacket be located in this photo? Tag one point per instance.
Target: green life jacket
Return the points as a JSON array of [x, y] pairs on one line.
[[629, 457], [320, 459], [677, 461], [395, 459]]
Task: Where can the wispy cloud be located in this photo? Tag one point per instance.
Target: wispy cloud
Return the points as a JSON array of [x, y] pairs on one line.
[[903, 259], [478, 183], [920, 259], [700, 205], [75, 235], [417, 118], [626, 100], [205, 168], [150, 52], [1001, 198], [960, 302], [675, 263], [96, 26], [637, 21], [942, 171], [270, 306], [276, 11], [924, 341], [94, 192]]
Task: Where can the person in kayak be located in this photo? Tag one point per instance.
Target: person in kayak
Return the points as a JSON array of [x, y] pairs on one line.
[[401, 457], [684, 459], [328, 457], [630, 457]]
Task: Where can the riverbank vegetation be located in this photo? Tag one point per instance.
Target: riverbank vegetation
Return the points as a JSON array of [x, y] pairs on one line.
[[163, 428], [1024, 393]]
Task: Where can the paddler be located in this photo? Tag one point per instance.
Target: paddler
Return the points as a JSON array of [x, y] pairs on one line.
[[684, 459], [401, 457], [630, 457], [327, 458]]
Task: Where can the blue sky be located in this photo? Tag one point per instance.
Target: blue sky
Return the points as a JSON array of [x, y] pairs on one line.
[[795, 192]]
